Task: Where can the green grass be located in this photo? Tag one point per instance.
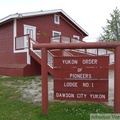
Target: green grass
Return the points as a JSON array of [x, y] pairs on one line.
[[11, 108]]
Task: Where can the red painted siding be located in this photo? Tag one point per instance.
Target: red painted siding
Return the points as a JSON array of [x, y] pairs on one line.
[[33, 69], [45, 24], [6, 46], [15, 64], [10, 63]]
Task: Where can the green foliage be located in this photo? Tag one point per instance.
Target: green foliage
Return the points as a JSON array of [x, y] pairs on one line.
[[112, 30]]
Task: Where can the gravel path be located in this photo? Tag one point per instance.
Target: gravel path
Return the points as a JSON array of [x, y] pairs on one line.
[[111, 88], [31, 90]]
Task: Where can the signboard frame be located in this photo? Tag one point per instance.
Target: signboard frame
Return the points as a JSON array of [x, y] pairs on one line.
[[87, 70]]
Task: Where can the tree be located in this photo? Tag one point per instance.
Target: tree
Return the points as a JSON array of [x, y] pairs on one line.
[[112, 30]]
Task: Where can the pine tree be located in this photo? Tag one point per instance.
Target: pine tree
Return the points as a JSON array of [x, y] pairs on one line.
[[112, 30]]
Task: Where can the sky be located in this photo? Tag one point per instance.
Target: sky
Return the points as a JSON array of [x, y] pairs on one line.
[[91, 15]]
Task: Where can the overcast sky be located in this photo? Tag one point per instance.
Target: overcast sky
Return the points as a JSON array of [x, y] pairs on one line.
[[89, 14]]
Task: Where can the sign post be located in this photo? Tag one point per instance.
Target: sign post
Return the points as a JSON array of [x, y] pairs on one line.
[[117, 81], [48, 46], [44, 82]]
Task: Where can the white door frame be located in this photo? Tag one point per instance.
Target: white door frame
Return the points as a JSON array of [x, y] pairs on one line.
[[31, 30]]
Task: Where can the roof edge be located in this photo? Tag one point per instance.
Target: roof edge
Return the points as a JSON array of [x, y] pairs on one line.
[[75, 22], [27, 14]]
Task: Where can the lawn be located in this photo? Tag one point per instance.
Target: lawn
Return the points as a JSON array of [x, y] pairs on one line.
[[12, 108]]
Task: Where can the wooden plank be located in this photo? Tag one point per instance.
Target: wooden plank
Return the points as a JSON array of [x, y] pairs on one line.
[[81, 73], [97, 85], [82, 96], [86, 61]]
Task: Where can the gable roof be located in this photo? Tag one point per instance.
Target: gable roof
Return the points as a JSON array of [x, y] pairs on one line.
[[39, 13]]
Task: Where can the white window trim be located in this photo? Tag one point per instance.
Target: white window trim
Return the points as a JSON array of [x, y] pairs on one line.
[[56, 22], [76, 36], [56, 32]]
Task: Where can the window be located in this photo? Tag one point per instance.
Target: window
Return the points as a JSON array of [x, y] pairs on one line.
[[56, 37], [76, 37], [56, 33], [56, 19]]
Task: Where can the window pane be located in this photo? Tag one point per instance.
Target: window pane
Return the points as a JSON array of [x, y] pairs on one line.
[[56, 34], [76, 37], [56, 19]]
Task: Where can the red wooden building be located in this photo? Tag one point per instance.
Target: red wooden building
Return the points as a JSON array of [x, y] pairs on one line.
[[40, 26]]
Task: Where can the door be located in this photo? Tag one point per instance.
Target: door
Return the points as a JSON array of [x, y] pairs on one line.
[[31, 30]]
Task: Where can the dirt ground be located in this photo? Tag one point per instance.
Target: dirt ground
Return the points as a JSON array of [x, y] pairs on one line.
[[31, 90]]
